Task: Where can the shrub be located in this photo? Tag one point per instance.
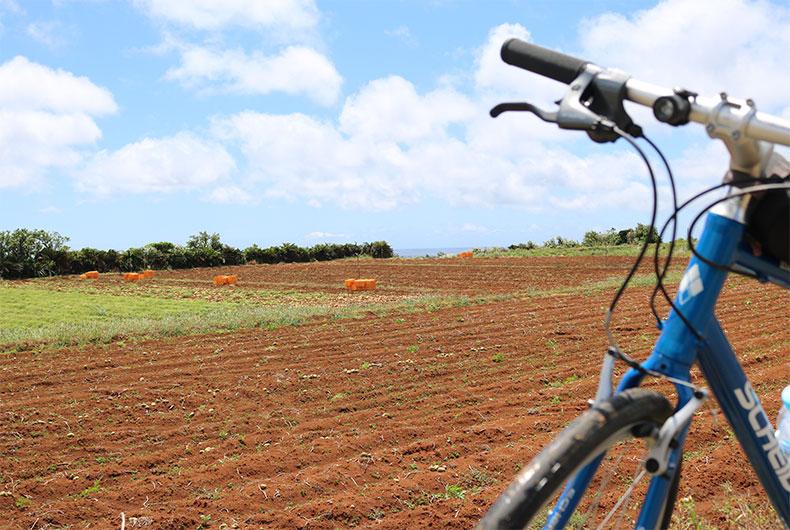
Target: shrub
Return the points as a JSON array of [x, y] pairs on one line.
[[28, 253]]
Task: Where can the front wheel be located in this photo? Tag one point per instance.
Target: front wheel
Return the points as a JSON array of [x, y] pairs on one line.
[[609, 427]]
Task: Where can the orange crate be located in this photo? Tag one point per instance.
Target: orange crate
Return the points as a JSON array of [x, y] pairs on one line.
[[467, 254], [82, 276], [220, 280], [231, 279], [364, 285], [93, 275], [148, 273], [131, 276], [349, 283]]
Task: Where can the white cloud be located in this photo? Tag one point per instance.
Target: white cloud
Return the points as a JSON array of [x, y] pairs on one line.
[[47, 116], [297, 156], [287, 15], [294, 70], [156, 165], [47, 33], [231, 194], [323, 235], [361, 168], [739, 46], [403, 34], [32, 86], [498, 81], [391, 110], [474, 229]]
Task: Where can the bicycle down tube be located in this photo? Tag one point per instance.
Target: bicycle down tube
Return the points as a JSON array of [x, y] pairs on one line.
[[675, 352]]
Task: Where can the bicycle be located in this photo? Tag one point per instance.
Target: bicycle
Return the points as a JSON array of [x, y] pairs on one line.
[[565, 471]]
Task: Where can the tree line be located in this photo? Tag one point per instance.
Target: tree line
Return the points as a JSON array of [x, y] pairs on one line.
[[28, 253], [607, 238]]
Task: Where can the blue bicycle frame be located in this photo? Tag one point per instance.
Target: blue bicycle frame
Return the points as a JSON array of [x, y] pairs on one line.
[[677, 349]]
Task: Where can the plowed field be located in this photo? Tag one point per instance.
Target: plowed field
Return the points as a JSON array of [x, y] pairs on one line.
[[407, 276], [409, 420]]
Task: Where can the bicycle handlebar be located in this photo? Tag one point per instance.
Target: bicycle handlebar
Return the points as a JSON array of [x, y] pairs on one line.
[[704, 110], [548, 63], [722, 112]]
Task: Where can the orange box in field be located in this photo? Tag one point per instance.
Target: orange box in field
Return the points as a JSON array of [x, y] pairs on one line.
[[131, 276], [467, 254], [349, 283], [148, 273], [363, 285], [231, 279], [220, 279], [93, 275], [82, 276]]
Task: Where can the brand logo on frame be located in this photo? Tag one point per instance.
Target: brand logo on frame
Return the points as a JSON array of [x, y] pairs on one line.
[[690, 285], [764, 431]]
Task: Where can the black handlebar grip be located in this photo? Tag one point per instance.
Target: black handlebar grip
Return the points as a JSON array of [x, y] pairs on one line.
[[548, 63]]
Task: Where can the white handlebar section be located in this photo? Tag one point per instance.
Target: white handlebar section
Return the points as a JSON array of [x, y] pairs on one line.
[[738, 116]]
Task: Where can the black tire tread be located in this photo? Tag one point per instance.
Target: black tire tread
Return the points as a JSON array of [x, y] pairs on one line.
[[547, 472]]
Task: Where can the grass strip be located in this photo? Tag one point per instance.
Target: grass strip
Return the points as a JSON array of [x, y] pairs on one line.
[[32, 318], [681, 250]]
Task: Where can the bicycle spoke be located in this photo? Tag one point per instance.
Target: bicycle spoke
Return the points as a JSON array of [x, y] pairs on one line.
[[622, 499], [605, 480]]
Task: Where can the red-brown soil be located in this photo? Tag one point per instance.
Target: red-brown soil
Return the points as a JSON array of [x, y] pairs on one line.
[[478, 276], [340, 423]]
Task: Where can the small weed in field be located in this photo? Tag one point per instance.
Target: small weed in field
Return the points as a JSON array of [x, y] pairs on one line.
[[22, 502], [210, 494], [454, 491], [692, 519], [551, 344], [375, 514], [400, 320], [90, 490], [691, 455], [562, 382], [365, 365], [205, 522], [223, 435], [339, 395], [105, 459], [739, 509], [422, 498], [498, 357], [413, 348], [476, 479], [556, 400]]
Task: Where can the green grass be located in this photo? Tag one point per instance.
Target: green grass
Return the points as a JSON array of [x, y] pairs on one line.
[[29, 307], [194, 290], [681, 250], [31, 316], [36, 315]]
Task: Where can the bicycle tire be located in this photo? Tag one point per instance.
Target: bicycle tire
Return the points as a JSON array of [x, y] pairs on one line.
[[631, 414]]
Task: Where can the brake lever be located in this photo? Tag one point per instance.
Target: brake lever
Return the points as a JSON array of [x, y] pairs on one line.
[[579, 110], [544, 115]]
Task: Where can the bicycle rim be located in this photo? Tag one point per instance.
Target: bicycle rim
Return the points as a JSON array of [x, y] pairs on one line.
[[614, 431]]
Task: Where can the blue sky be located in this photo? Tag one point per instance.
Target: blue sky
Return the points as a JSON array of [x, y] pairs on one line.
[[126, 122]]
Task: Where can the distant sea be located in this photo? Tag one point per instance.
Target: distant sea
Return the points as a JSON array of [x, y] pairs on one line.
[[422, 252]]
